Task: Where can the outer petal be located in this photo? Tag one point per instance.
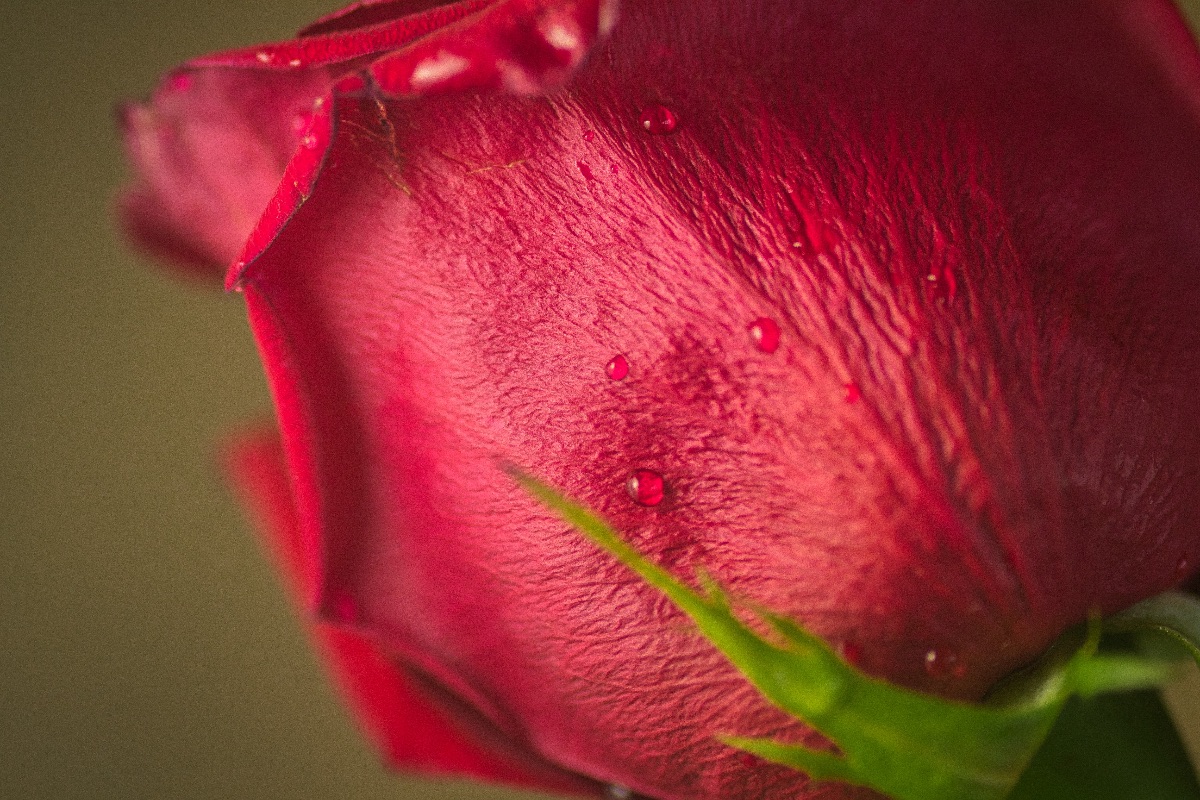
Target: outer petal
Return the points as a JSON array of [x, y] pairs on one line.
[[409, 731], [969, 223], [210, 147], [208, 151]]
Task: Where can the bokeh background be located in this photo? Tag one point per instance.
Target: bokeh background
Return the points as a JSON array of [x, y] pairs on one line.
[[146, 648]]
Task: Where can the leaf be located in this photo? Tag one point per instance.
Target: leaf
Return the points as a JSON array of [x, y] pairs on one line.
[[905, 744]]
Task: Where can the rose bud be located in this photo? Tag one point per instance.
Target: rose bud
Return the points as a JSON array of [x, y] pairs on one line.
[[882, 315]]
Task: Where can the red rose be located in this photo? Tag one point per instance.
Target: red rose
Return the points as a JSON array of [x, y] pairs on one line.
[[884, 314]]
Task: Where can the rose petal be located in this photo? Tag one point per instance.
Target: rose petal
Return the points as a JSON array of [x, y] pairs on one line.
[[404, 726], [990, 241], [522, 46], [343, 46], [210, 147], [208, 151], [371, 12]]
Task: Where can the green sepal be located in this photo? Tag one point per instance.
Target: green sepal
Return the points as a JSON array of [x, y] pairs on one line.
[[1111, 747], [1175, 615], [905, 744]]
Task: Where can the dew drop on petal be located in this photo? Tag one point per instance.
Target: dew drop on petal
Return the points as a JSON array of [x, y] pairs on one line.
[[853, 393], [943, 664], [614, 169], [586, 170], [263, 57], [618, 368], [658, 120], [941, 285], [308, 141], [764, 331], [589, 136], [295, 62], [645, 486], [180, 82]]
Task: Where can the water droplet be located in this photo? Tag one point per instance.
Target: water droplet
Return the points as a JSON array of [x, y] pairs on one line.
[[943, 664], [941, 285], [853, 393], [765, 333], [180, 82], [263, 57], [645, 486], [308, 141], [619, 792], [850, 652], [586, 170], [589, 136], [614, 169], [618, 368], [658, 120], [295, 62]]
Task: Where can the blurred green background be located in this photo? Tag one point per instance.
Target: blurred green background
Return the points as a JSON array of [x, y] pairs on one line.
[[146, 648]]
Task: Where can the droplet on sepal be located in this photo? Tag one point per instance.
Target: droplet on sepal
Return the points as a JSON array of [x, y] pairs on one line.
[[617, 368], [764, 332], [646, 487], [658, 120]]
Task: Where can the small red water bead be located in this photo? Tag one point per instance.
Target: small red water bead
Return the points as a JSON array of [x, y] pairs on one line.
[[765, 333], [618, 368], [658, 120], [853, 393], [944, 664], [645, 486], [589, 136]]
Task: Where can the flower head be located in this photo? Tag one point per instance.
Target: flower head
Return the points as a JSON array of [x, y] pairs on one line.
[[904, 301]]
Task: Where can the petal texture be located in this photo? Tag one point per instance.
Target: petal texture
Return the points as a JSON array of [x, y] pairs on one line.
[[904, 299], [409, 730], [211, 146]]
